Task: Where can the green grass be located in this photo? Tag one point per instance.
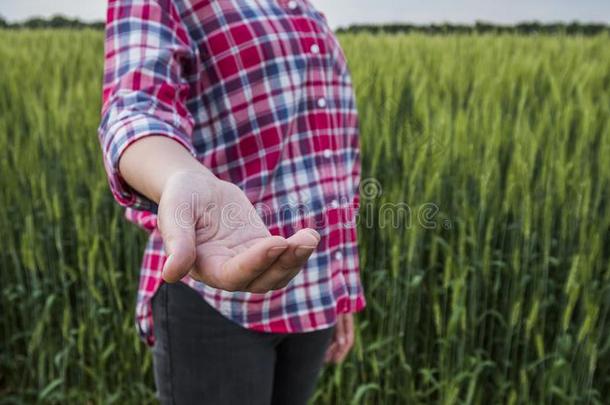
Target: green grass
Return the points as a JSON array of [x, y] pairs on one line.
[[495, 289]]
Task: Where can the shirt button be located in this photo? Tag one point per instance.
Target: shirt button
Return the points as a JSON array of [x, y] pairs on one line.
[[327, 153], [315, 49], [292, 5], [322, 102], [338, 256]]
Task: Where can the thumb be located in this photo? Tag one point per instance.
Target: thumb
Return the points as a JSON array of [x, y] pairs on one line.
[[178, 263], [179, 243]]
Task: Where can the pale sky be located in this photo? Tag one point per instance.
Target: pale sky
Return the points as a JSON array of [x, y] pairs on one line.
[[345, 12]]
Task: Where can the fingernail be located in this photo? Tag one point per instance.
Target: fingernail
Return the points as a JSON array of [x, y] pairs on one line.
[[314, 233], [275, 251], [341, 341], [303, 251]]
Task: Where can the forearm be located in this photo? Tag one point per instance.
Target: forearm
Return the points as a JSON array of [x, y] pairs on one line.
[[147, 164]]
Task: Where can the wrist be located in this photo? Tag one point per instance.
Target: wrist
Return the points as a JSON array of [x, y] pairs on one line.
[[183, 178], [149, 164]]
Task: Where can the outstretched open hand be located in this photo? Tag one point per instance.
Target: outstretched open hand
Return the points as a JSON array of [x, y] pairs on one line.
[[212, 232]]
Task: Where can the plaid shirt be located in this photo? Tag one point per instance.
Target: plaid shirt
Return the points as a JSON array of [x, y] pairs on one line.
[[260, 93]]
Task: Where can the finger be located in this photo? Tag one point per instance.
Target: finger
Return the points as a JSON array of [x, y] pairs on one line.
[[179, 243], [300, 247], [349, 329], [339, 339], [330, 353], [345, 344], [332, 347], [240, 270]]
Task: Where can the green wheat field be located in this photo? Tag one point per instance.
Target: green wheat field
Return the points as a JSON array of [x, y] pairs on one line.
[[492, 288]]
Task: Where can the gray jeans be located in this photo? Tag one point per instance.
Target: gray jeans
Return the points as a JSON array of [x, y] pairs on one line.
[[201, 357]]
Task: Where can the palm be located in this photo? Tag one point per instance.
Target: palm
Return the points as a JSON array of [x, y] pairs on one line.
[[213, 232]]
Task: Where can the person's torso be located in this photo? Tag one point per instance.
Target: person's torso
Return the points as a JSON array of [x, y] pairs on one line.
[[274, 113]]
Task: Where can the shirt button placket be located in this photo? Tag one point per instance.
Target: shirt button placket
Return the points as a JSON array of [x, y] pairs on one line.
[[321, 102]]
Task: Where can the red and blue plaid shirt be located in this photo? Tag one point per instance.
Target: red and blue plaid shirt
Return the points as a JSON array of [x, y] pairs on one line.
[[260, 93]]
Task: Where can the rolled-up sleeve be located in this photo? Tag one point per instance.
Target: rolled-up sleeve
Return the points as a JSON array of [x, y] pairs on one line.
[[144, 91]]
